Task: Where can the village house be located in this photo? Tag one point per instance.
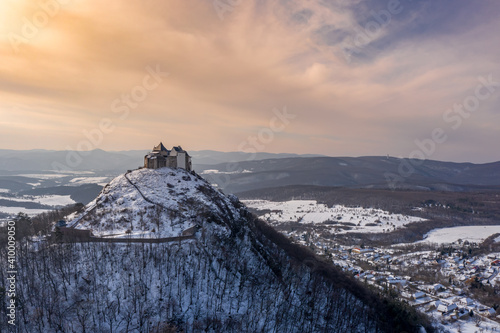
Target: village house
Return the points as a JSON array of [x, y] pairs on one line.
[[356, 250], [437, 288], [161, 157], [419, 294], [466, 301], [444, 308]]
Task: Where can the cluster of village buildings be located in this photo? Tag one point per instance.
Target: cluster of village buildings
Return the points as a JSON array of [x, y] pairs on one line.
[[450, 301]]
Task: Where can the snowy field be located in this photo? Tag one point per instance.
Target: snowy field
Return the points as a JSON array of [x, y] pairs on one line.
[[89, 180], [49, 200], [471, 233], [215, 171], [342, 219], [44, 175], [54, 200], [15, 210]]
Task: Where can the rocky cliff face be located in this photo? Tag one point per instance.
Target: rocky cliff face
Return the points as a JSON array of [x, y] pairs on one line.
[[234, 275]]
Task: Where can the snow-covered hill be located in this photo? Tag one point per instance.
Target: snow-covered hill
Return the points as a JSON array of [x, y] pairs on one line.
[[151, 203], [235, 274]]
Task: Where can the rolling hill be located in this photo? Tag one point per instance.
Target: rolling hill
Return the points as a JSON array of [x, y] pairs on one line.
[[354, 172]]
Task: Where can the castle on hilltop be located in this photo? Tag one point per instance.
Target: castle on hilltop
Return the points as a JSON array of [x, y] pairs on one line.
[[161, 157]]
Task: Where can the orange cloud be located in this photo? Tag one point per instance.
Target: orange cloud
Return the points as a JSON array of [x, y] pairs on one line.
[[226, 76]]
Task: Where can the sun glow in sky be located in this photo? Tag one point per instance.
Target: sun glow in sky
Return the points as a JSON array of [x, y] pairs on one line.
[[359, 77]]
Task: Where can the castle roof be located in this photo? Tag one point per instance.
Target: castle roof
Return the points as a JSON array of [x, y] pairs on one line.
[[160, 147], [179, 149]]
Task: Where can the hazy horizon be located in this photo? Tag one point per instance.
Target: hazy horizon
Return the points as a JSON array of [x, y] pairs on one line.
[[83, 155]]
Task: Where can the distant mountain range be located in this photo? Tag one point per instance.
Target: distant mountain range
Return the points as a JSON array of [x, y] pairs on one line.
[[355, 172], [41, 160], [236, 172], [110, 161]]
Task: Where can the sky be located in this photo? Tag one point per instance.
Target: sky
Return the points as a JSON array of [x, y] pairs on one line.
[[402, 78]]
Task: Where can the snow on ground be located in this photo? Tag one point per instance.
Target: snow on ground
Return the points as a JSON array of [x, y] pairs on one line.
[[466, 325], [133, 234], [470, 233], [341, 218], [471, 327], [174, 200], [73, 172], [50, 200], [213, 171], [19, 199], [44, 176], [15, 210], [55, 200], [89, 180]]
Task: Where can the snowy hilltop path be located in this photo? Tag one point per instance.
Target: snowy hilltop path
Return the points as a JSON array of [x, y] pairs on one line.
[[146, 203], [76, 221], [142, 194], [110, 238], [93, 205]]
